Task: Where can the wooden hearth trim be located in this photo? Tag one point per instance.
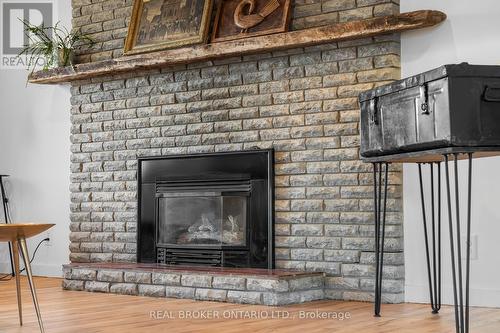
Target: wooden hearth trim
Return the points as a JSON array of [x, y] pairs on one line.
[[300, 38]]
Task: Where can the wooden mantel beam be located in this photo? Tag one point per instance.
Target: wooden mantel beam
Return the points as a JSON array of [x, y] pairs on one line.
[[198, 53]]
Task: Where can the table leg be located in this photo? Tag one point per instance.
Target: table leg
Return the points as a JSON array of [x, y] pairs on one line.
[[460, 287], [434, 260], [380, 206], [26, 259], [15, 258]]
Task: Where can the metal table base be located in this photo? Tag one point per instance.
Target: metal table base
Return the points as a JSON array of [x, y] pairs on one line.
[[431, 220]]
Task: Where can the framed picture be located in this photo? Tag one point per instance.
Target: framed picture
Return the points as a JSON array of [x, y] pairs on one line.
[[163, 24], [247, 18]]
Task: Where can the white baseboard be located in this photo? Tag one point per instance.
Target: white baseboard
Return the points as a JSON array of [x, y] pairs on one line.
[[38, 269], [478, 297]]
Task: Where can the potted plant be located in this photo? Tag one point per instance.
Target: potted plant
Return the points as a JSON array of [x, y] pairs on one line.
[[54, 46]]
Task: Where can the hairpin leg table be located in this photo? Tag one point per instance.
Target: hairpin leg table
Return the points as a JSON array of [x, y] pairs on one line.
[[438, 161]]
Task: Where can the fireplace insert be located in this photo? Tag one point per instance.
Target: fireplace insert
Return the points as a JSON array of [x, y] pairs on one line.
[[207, 209]]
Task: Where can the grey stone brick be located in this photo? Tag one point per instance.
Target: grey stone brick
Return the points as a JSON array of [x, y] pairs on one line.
[[110, 276], [342, 230], [274, 86], [356, 64], [336, 5], [308, 9], [137, 277], [151, 290], [124, 288], [290, 168], [315, 21], [307, 230], [244, 297], [180, 292], [256, 77], [210, 294], [323, 242], [388, 286], [306, 83], [195, 280], [329, 268], [73, 285], [307, 283], [321, 69], [290, 193], [261, 123], [96, 286], [215, 138], [256, 284], [290, 217], [83, 274], [285, 241], [244, 113], [282, 229], [346, 256], [228, 80], [299, 296], [257, 100], [358, 270], [229, 282], [337, 282], [288, 121], [356, 14], [323, 192], [304, 180]]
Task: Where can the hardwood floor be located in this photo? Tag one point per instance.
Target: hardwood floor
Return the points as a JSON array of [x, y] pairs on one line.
[[70, 311]]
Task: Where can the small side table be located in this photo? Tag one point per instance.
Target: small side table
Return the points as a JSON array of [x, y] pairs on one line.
[[436, 159], [17, 234]]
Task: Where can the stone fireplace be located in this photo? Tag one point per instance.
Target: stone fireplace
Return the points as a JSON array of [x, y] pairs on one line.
[[207, 209], [302, 103]]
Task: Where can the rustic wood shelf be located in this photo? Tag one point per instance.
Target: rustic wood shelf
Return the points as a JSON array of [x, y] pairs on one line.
[[293, 39]]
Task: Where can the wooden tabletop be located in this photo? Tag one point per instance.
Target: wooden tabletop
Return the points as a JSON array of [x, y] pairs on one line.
[[11, 232], [435, 155]]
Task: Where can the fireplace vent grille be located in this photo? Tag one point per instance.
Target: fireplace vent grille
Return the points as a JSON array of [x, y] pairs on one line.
[[204, 185], [216, 258]]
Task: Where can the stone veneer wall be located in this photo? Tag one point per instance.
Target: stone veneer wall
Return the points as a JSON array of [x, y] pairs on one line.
[[302, 102]]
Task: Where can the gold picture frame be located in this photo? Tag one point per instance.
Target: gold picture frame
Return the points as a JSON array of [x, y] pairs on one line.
[[163, 24]]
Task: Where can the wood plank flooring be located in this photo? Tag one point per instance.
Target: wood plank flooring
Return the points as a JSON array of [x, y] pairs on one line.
[[70, 311]]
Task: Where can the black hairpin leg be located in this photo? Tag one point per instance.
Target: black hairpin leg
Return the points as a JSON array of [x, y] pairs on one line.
[[434, 261], [380, 175], [461, 309]]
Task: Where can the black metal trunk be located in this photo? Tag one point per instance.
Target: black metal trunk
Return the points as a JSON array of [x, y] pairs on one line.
[[451, 106]]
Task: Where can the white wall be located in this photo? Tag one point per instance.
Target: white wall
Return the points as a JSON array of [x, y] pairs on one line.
[[471, 33], [34, 150]]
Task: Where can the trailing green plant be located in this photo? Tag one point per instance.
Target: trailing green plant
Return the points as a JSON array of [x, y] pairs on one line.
[[54, 46]]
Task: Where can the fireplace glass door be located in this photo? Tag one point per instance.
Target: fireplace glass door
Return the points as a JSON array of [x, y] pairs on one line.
[[201, 219]]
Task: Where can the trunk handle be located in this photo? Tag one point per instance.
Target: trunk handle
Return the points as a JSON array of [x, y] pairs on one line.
[[492, 93]]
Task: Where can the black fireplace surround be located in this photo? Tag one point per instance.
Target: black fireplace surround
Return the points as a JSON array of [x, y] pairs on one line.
[[212, 209]]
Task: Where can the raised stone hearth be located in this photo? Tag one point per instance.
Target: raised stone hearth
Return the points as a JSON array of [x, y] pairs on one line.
[[242, 285]]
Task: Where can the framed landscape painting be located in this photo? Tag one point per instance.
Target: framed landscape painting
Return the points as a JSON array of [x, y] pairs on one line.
[[163, 24]]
